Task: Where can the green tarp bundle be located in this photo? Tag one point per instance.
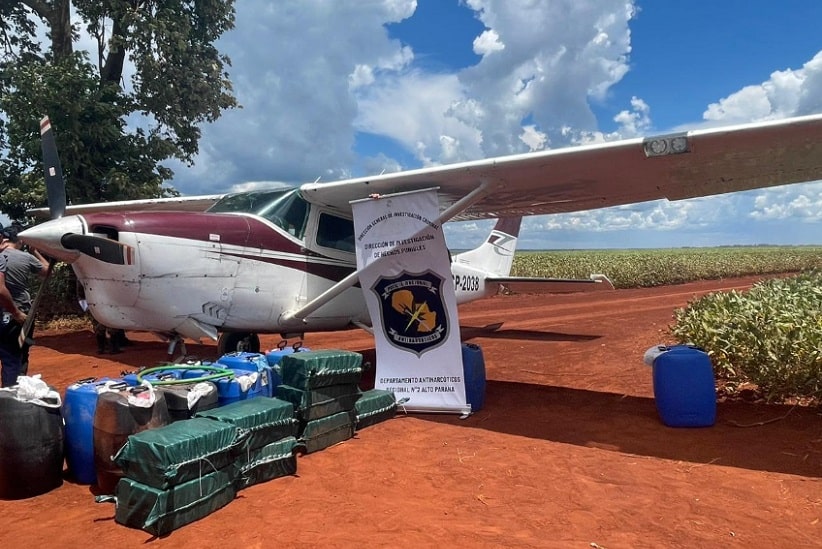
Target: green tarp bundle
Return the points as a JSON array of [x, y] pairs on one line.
[[162, 511], [314, 369], [265, 420], [321, 402], [274, 460], [324, 432], [373, 407], [176, 453]]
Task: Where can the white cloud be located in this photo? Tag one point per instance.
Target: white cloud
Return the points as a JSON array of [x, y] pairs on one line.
[[558, 56], [487, 42], [637, 121], [296, 67], [535, 139], [311, 74], [798, 202], [786, 93]]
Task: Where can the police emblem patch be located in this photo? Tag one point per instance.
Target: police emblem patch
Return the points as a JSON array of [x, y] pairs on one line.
[[412, 311]]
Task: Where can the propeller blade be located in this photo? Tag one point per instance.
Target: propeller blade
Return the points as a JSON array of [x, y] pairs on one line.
[[98, 247], [56, 196], [26, 329], [55, 187]]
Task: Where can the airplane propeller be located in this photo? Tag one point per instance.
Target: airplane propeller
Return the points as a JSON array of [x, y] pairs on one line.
[[99, 247], [56, 195]]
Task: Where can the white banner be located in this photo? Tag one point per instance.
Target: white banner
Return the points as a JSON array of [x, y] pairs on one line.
[[405, 274]]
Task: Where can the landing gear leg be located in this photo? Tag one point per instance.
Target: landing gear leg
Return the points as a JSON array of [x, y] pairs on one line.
[[172, 344]]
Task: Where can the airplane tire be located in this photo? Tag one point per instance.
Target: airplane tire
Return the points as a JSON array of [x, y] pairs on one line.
[[238, 342]]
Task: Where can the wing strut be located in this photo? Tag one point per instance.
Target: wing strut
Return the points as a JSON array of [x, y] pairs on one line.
[[352, 279]]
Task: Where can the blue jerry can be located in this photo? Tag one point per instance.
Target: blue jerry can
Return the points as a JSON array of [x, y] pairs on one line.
[[684, 386]]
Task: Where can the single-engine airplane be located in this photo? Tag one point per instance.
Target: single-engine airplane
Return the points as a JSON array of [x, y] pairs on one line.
[[283, 260]]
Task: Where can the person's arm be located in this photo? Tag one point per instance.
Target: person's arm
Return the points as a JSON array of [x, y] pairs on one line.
[[43, 261], [8, 304]]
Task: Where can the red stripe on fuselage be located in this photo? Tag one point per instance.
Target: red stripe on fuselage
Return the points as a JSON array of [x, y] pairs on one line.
[[244, 231]]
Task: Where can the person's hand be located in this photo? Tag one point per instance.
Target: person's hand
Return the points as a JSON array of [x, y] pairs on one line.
[[19, 317]]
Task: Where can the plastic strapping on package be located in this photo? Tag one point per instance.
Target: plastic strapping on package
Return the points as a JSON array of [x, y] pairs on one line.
[[247, 381], [197, 392], [143, 399], [34, 390]]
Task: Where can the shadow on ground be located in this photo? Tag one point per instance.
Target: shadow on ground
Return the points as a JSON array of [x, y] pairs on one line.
[[761, 437]]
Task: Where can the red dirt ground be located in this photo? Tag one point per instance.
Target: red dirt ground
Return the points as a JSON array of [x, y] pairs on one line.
[[568, 451]]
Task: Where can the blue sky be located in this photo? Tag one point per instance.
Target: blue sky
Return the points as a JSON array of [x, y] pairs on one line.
[[340, 89]]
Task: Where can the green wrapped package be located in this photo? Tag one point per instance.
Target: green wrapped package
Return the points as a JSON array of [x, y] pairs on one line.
[[373, 407], [266, 420], [181, 451], [159, 512], [324, 432], [275, 460], [322, 402], [314, 369]]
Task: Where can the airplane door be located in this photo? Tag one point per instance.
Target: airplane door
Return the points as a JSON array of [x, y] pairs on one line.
[[330, 237]]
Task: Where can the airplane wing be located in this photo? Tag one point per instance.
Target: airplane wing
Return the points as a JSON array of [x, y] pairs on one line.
[[676, 166], [177, 203]]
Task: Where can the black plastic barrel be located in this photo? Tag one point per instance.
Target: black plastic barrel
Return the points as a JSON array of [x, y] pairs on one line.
[[177, 396], [31, 448], [114, 420]]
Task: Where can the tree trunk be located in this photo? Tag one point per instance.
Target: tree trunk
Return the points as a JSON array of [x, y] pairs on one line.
[[113, 69], [58, 17]]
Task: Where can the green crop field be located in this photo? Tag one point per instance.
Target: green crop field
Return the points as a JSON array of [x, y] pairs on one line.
[[645, 268], [767, 340]]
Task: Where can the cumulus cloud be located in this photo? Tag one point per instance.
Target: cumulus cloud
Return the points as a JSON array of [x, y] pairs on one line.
[[487, 42], [314, 75], [785, 93], [310, 74], [803, 204], [296, 69]]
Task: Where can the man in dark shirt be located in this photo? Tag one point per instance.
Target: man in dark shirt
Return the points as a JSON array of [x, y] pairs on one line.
[[15, 267]]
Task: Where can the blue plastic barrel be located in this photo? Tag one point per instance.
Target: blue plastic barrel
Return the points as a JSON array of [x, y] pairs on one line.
[[684, 387], [79, 404], [228, 389], [473, 366], [166, 375], [267, 379], [274, 356]]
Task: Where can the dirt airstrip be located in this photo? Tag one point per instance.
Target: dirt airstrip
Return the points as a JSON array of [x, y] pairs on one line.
[[568, 451]]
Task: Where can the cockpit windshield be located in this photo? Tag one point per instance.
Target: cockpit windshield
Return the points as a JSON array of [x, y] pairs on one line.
[[283, 207]]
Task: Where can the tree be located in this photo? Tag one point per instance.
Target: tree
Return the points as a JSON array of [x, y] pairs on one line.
[[156, 77]]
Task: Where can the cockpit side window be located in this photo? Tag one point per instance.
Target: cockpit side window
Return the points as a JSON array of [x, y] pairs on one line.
[[285, 208], [335, 232], [289, 212]]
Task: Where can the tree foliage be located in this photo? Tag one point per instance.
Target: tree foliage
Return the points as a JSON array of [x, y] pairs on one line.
[[119, 111]]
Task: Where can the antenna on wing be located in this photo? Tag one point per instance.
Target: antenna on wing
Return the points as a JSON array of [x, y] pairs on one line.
[[317, 180]]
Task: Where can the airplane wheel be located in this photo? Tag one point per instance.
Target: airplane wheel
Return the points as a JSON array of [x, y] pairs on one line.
[[238, 342]]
